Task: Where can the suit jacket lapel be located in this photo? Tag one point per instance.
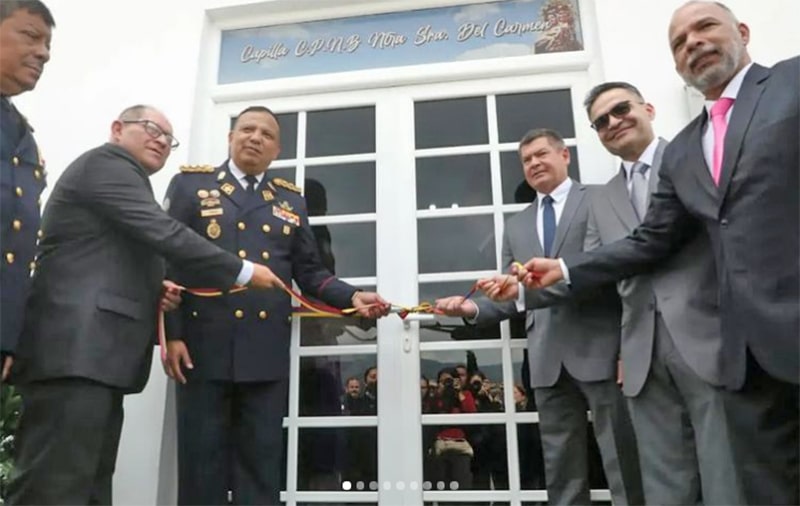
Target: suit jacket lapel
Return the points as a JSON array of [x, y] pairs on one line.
[[621, 200], [230, 188], [531, 241], [696, 162], [746, 101], [656, 168], [576, 194]]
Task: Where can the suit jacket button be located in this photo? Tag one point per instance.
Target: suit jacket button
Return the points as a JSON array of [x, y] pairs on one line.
[[17, 225], [262, 315], [239, 314], [15, 161], [39, 234], [194, 314], [266, 228], [265, 255], [242, 253], [10, 258], [37, 174], [32, 266], [241, 225], [19, 191], [723, 222]]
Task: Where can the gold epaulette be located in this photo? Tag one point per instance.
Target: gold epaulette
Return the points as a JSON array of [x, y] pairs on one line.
[[286, 184], [197, 169]]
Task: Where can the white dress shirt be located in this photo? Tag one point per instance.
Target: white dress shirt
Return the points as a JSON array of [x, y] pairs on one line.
[[647, 156]]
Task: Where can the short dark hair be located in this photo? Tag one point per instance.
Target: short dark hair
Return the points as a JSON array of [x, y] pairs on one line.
[[598, 90], [255, 108], [35, 7], [446, 370], [366, 373], [352, 378], [133, 112], [555, 138]]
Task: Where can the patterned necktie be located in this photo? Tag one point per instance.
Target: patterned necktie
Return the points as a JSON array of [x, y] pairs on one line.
[[720, 125], [639, 189], [252, 183], [548, 224]]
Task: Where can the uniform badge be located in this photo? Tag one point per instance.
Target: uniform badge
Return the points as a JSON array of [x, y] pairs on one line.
[[214, 193], [286, 216], [209, 202], [221, 176], [285, 205], [205, 213], [268, 195], [203, 194], [287, 230], [213, 230], [227, 188]]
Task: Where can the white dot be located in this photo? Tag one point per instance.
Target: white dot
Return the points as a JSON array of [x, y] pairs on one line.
[[387, 485], [346, 485], [426, 485], [453, 485], [413, 485], [400, 485], [432, 207], [360, 485], [373, 485], [454, 206], [440, 485]]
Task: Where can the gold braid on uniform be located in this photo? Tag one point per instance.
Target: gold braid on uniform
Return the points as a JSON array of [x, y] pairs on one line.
[[286, 184], [197, 169]]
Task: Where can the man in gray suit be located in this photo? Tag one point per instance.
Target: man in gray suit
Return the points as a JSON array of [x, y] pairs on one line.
[[90, 325], [731, 174], [572, 348], [671, 344]]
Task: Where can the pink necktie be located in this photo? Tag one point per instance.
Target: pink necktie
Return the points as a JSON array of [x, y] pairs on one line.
[[720, 125]]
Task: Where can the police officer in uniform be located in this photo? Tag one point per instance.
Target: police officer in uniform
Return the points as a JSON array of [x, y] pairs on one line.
[[230, 353], [25, 32]]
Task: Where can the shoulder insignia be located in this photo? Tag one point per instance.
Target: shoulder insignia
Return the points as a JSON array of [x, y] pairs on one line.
[[197, 169], [286, 184]]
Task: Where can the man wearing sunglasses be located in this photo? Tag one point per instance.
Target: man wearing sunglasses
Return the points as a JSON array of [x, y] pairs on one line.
[[731, 174], [670, 337], [88, 332]]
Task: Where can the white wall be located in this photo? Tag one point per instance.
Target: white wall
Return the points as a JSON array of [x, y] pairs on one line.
[[111, 54]]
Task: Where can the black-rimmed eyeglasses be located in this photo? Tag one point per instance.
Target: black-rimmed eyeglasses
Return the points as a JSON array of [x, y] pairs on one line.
[[155, 131], [618, 111]]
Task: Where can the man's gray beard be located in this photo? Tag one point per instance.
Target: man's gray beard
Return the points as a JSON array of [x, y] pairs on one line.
[[717, 74]]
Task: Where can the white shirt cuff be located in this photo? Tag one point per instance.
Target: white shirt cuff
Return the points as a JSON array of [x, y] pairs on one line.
[[564, 270], [520, 302], [246, 274]]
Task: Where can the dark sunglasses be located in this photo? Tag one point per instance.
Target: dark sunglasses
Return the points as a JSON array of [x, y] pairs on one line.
[[618, 111]]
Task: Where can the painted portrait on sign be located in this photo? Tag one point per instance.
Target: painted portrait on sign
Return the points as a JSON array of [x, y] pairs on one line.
[[560, 32]]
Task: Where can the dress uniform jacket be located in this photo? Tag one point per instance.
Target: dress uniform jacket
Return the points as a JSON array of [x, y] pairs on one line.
[[244, 337], [22, 180]]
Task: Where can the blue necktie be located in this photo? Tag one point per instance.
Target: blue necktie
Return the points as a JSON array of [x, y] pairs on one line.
[[548, 224], [252, 183]]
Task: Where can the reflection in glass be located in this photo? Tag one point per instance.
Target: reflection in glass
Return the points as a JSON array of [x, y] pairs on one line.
[[453, 181], [531, 460], [456, 244], [340, 189], [519, 112], [451, 122], [340, 132], [445, 327], [327, 457], [453, 377], [338, 385], [353, 247], [288, 124], [337, 331]]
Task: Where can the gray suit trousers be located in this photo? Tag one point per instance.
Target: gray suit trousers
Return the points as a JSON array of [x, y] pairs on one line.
[[681, 423], [564, 426]]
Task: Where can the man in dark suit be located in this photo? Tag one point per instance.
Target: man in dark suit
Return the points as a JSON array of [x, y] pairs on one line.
[[232, 396], [731, 174], [88, 334], [25, 31], [572, 348]]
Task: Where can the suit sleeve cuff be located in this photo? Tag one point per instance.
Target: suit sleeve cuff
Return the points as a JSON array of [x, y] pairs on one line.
[[246, 274]]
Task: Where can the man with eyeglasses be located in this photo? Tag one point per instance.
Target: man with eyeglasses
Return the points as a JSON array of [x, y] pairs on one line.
[[670, 338], [25, 33], [731, 174], [88, 333]]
